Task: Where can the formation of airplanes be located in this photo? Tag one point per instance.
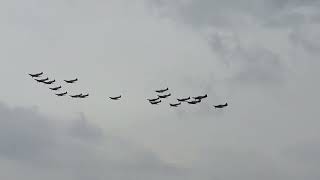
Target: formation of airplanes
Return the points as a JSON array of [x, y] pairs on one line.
[[154, 101], [194, 100], [46, 80]]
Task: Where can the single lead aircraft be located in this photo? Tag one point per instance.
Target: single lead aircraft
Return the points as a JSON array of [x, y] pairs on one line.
[[115, 98], [221, 105]]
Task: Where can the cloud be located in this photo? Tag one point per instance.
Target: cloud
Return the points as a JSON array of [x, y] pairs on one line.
[[252, 37], [259, 56], [76, 149]]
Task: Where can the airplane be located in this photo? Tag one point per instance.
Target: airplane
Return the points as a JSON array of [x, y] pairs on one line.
[[155, 99], [76, 96], [49, 82], [201, 97], [115, 98], [42, 80], [55, 88], [162, 90], [175, 105], [62, 94], [84, 95], [36, 75], [194, 102], [183, 99], [221, 105], [71, 81], [164, 96], [155, 102]]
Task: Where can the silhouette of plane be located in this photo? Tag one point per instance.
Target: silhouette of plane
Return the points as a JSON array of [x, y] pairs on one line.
[[162, 90], [221, 105], [155, 99], [164, 96], [71, 81], [195, 101], [62, 94], [175, 105], [42, 80], [76, 96], [183, 99], [155, 102], [115, 98], [201, 97], [49, 82], [84, 95], [55, 88], [36, 75]]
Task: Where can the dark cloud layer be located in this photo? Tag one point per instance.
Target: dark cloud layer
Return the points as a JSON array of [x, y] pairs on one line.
[[75, 149]]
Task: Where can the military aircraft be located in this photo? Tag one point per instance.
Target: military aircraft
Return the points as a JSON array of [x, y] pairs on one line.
[[76, 96], [221, 105], [115, 98], [55, 88], [42, 80], [195, 101], [155, 99], [62, 94], [175, 105], [200, 97], [84, 95], [183, 99], [36, 75], [155, 102], [162, 90], [164, 96], [71, 81], [49, 82]]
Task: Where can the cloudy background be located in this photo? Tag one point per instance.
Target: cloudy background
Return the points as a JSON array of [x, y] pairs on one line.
[[261, 56]]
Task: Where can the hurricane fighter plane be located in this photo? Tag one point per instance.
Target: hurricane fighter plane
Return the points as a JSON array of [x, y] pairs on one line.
[[42, 80], [36, 75], [175, 105], [62, 94], [162, 90], [155, 102], [200, 97], [221, 106], [183, 99], [49, 82], [55, 88], [115, 98], [164, 96], [71, 81]]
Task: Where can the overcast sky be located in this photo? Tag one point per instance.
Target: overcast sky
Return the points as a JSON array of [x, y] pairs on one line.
[[260, 56]]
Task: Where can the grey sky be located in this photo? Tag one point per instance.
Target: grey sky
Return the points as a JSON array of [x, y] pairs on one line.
[[260, 56]]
